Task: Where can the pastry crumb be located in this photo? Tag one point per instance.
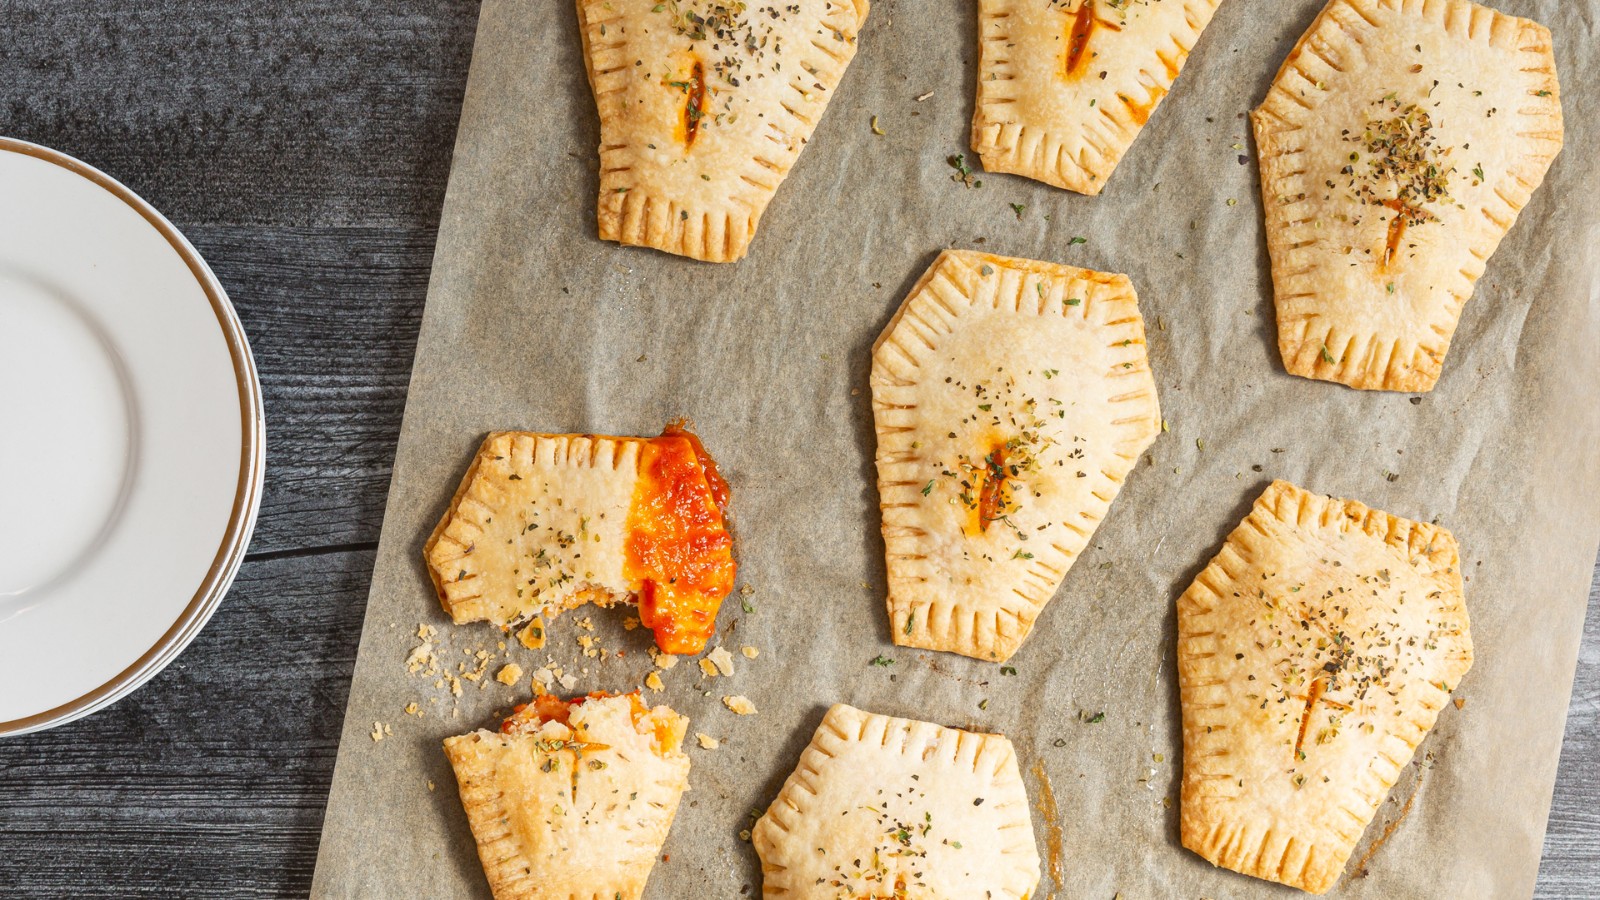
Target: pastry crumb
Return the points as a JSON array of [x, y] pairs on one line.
[[412, 709], [421, 659], [653, 682], [532, 636], [740, 704], [480, 668], [544, 678], [665, 661], [380, 731], [510, 673], [631, 623], [708, 668], [1460, 702], [749, 652], [722, 659], [707, 742]]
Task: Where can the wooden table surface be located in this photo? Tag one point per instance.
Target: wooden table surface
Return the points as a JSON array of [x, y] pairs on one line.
[[303, 146]]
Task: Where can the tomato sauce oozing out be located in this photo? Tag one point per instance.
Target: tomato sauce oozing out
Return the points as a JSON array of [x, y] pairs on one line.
[[527, 717], [679, 551], [546, 708], [1083, 26], [694, 104], [719, 487], [992, 496], [1397, 232]]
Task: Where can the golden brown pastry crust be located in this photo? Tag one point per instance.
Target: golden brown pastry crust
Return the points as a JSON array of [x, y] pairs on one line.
[[1065, 86], [571, 813], [704, 106], [1449, 113], [506, 547], [1026, 375], [887, 807], [1314, 653]]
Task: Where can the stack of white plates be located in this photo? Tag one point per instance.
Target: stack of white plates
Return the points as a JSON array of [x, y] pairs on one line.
[[131, 440]]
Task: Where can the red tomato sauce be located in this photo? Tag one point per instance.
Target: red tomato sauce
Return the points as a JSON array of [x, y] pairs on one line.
[[546, 708], [679, 552], [526, 717], [992, 501], [1083, 27]]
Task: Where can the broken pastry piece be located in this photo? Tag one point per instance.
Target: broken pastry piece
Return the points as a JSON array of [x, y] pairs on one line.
[[1398, 144], [572, 798], [704, 105], [1064, 86], [1011, 398], [886, 807], [547, 522], [1314, 654]]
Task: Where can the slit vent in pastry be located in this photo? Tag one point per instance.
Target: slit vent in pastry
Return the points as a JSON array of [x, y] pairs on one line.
[[704, 106], [886, 807], [1398, 144], [1011, 398], [1065, 86], [572, 800], [1314, 654]]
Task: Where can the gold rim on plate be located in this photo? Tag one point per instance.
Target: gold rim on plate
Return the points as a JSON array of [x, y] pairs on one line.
[[247, 497]]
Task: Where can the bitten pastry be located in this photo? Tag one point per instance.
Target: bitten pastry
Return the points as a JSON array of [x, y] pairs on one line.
[[572, 799], [1011, 398], [546, 522], [1314, 654], [1398, 144], [1064, 86], [704, 105], [886, 807]]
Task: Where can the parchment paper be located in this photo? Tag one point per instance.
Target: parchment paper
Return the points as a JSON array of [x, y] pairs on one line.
[[533, 323]]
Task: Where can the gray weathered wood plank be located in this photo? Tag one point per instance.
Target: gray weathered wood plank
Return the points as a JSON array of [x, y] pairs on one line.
[[278, 113], [1570, 869], [332, 318], [209, 781]]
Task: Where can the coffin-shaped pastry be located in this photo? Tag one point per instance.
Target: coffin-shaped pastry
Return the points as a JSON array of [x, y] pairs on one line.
[[1314, 653], [546, 522], [572, 798], [1064, 86], [1011, 399], [886, 807], [704, 105], [1398, 144]]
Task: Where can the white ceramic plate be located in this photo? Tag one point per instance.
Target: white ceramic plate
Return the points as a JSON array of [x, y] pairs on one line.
[[131, 440]]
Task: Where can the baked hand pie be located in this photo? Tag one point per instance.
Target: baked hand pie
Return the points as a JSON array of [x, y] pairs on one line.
[[1011, 398], [1314, 653], [572, 799], [546, 522], [1064, 86], [704, 105], [1398, 144], [886, 807]]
